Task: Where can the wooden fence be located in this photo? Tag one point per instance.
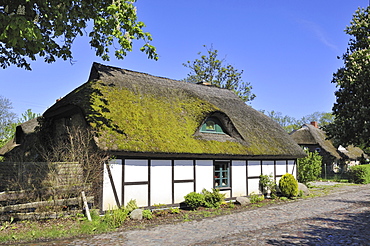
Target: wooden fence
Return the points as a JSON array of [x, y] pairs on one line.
[[39, 190]]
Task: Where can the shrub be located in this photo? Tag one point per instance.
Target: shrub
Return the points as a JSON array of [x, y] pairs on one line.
[[174, 210], [288, 185], [309, 168], [131, 205], [147, 214], [194, 200], [115, 218], [254, 198], [213, 199], [359, 174]]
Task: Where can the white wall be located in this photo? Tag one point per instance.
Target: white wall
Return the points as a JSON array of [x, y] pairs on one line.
[[238, 180], [204, 175], [109, 201], [161, 182]]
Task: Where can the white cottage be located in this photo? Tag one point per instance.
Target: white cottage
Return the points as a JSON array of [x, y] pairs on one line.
[[168, 138]]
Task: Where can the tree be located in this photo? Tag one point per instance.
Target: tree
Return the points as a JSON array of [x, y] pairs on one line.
[[309, 167], [48, 28], [212, 70], [290, 123], [352, 107], [7, 118]]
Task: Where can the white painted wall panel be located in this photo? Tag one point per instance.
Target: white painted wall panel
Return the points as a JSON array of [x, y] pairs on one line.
[[109, 201], [253, 186], [254, 168], [292, 168], [137, 192], [204, 175], [161, 182], [183, 169], [136, 170], [238, 178], [268, 168], [181, 190], [280, 167]]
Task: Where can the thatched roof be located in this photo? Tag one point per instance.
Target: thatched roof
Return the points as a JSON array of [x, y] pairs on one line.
[[137, 112], [311, 135], [22, 131]]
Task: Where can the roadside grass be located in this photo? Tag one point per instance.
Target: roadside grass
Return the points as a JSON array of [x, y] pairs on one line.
[[76, 226]]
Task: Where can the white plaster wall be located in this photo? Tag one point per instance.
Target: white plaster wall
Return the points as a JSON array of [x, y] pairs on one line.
[[137, 192], [136, 170], [253, 186], [181, 190], [204, 175], [280, 167], [183, 169], [238, 178], [268, 168], [109, 202], [161, 182], [254, 168], [292, 168]]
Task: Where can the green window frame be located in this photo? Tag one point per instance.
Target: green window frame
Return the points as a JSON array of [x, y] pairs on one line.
[[212, 125], [222, 174]]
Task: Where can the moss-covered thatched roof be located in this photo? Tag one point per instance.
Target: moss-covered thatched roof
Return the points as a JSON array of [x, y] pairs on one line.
[[137, 112], [310, 135]]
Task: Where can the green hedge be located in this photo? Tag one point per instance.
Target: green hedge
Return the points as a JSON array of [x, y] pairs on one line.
[[359, 174]]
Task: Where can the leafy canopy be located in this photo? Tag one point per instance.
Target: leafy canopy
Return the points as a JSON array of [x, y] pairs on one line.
[[309, 167], [289, 123], [7, 119], [210, 69], [352, 108], [47, 29]]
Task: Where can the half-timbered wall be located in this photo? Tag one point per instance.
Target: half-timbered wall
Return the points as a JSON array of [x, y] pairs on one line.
[[155, 181]]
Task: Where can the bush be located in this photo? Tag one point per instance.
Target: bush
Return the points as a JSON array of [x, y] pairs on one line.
[[131, 205], [359, 174], [309, 168], [194, 200], [213, 199], [115, 218], [147, 214], [288, 185], [254, 198]]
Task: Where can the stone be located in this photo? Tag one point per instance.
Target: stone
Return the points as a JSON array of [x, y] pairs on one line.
[[137, 214], [304, 189], [243, 200]]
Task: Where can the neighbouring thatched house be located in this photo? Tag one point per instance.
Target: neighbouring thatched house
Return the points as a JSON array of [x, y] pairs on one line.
[[167, 138], [334, 159]]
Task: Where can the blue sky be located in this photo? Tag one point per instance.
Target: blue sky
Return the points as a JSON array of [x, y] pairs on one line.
[[288, 50]]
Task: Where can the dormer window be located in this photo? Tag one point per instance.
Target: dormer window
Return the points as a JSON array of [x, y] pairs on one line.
[[212, 125]]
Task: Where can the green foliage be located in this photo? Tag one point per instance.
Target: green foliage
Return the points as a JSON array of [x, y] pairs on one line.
[[254, 198], [48, 28], [351, 109], [131, 205], [288, 185], [309, 168], [194, 200], [147, 214], [7, 120], [290, 124], [359, 174], [213, 199], [115, 218], [211, 70], [174, 210]]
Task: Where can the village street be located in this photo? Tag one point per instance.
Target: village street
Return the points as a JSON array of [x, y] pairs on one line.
[[341, 218]]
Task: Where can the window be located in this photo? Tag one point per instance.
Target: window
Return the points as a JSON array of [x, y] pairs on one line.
[[222, 174], [212, 125]]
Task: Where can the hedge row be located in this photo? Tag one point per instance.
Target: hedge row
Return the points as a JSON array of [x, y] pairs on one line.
[[359, 174]]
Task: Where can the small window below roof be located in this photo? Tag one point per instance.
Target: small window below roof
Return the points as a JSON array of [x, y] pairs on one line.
[[212, 125]]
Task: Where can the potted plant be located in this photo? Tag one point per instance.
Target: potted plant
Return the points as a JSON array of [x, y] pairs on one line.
[[267, 185]]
